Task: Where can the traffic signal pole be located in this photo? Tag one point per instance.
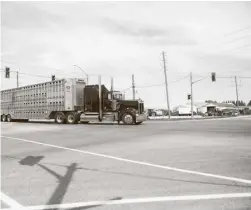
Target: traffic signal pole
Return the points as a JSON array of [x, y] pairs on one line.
[[191, 85], [237, 95]]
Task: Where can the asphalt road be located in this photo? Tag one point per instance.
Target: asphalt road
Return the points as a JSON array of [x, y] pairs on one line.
[[157, 165]]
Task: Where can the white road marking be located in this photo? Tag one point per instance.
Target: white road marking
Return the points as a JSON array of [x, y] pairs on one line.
[[189, 120], [246, 181], [9, 201], [135, 201]]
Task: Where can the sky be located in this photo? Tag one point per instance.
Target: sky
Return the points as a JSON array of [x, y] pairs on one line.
[[118, 39]]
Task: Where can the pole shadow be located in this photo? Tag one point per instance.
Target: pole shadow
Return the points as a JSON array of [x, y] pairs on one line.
[[64, 181]]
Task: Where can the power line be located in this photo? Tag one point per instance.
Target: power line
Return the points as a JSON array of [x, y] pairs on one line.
[[248, 45], [11, 62], [162, 84], [231, 41], [146, 86], [245, 77], [34, 75], [237, 39], [234, 32]]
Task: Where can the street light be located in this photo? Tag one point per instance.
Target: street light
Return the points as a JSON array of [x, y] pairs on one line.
[[191, 86], [87, 77]]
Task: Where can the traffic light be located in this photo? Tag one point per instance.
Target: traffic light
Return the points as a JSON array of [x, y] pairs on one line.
[[31, 160], [213, 77], [53, 77], [188, 96], [7, 72]]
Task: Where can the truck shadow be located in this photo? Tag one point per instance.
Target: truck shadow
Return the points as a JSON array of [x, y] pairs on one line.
[[80, 123]]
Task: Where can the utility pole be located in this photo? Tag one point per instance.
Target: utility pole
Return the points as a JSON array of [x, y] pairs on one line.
[[237, 95], [133, 87], [167, 95], [17, 80], [191, 84]]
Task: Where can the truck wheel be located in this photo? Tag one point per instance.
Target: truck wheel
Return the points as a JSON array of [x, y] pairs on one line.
[[9, 119], [3, 118], [60, 118], [72, 118], [128, 119]]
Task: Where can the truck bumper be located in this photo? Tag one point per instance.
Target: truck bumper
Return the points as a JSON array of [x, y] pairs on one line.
[[141, 117]]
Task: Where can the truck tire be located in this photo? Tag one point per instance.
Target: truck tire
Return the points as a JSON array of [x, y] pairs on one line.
[[60, 118], [138, 123], [9, 119], [128, 119], [72, 118], [3, 118]]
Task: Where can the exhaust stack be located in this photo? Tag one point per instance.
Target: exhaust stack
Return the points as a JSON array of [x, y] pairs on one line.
[[112, 88], [100, 98]]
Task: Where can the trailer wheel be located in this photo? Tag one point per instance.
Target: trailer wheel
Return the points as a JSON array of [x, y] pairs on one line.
[[138, 123], [9, 119], [72, 118], [3, 118], [128, 119], [60, 118]]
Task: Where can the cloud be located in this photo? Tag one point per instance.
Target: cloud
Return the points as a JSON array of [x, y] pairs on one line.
[[171, 35], [27, 15]]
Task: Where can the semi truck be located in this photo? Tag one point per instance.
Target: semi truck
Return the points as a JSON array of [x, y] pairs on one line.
[[70, 100]]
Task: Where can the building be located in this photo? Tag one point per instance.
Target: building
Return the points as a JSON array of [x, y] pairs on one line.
[[216, 108], [206, 108]]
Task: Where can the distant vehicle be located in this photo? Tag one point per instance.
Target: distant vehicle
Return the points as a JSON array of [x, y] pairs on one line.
[[155, 112], [230, 112], [184, 111], [69, 101]]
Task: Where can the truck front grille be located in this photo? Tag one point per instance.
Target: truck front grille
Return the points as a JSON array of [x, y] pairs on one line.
[[141, 108]]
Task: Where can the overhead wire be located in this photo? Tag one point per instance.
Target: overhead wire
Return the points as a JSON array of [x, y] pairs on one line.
[[161, 84], [237, 39], [228, 34], [34, 75], [242, 29], [228, 42]]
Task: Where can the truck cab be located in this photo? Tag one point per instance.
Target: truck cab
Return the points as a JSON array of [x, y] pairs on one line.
[[102, 105]]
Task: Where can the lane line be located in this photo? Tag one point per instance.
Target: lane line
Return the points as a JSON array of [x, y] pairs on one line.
[[199, 119], [135, 201], [246, 181], [9, 201]]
